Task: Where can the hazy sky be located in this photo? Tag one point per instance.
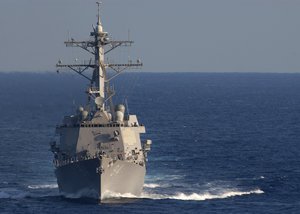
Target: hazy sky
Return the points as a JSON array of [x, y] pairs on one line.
[[170, 35]]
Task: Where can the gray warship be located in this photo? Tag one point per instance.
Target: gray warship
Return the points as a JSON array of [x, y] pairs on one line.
[[99, 152]]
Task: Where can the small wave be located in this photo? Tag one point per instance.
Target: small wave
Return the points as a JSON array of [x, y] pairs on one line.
[[162, 177], [10, 193], [151, 185], [255, 178], [4, 195], [84, 193], [183, 196], [43, 186]]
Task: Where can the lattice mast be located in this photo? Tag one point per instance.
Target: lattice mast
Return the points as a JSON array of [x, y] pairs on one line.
[[100, 44]]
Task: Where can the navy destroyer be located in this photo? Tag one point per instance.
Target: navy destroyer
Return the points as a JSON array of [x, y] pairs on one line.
[[99, 152]]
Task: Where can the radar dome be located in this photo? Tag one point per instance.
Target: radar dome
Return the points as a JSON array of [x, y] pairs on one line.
[[120, 108], [84, 115], [80, 109], [119, 116], [109, 116], [99, 101]]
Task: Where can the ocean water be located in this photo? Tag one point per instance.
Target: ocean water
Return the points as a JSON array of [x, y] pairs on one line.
[[222, 143]]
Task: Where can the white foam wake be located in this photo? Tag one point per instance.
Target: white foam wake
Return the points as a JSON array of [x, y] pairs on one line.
[[43, 186], [186, 197], [151, 185], [112, 195], [208, 196]]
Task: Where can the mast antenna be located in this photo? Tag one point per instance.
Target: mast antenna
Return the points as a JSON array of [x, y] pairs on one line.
[[98, 3]]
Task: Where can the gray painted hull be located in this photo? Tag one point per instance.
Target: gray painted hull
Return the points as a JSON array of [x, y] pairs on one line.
[[100, 179]]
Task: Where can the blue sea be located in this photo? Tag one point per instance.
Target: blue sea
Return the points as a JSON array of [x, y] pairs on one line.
[[222, 142]]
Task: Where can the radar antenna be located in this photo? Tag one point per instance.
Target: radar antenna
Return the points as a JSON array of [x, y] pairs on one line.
[[99, 45]]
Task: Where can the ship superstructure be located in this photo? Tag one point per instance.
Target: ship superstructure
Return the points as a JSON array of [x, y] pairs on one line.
[[100, 152]]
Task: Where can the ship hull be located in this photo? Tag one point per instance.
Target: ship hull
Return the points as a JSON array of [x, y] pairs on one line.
[[100, 179]]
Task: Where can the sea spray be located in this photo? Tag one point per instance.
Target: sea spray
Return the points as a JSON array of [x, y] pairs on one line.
[[185, 196]]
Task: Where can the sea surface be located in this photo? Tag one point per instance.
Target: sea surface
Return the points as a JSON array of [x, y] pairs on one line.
[[222, 143]]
